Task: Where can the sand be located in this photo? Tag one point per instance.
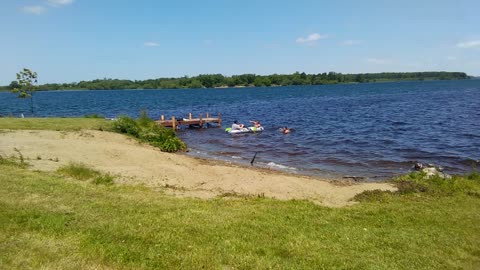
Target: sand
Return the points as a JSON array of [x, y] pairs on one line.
[[134, 163]]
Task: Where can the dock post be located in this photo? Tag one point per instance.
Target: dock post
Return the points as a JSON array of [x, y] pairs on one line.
[[219, 120], [190, 116], [200, 122], [162, 117], [174, 124], [207, 115]]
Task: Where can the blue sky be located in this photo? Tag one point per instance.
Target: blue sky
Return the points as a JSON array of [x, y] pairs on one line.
[[74, 40]]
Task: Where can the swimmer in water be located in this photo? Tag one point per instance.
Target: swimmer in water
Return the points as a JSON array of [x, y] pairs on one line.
[[285, 130]]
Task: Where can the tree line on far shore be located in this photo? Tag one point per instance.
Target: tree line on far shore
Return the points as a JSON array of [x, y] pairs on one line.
[[247, 80]]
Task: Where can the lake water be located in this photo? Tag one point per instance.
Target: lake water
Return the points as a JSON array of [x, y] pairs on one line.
[[374, 130]]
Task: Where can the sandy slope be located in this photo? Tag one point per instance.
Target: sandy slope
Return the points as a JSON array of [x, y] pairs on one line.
[[134, 163]]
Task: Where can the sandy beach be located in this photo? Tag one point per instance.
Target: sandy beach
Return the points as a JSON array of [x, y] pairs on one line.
[[137, 164]]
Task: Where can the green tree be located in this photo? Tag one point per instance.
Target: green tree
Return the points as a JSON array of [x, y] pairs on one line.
[[26, 82], [13, 85]]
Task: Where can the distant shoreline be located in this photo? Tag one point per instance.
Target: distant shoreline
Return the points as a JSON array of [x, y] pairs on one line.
[[243, 86], [219, 81]]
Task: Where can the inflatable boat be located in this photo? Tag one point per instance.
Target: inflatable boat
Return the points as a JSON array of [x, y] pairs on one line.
[[244, 130]]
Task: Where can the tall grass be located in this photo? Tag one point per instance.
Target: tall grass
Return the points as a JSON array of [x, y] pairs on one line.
[[146, 130]]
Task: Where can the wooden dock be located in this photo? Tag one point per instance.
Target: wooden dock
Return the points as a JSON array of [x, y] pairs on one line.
[[175, 123]]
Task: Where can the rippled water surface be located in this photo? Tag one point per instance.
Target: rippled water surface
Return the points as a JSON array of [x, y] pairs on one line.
[[371, 130]]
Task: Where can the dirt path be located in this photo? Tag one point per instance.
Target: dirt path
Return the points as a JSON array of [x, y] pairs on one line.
[[135, 163]]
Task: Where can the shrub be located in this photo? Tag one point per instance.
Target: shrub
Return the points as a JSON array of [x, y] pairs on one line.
[[146, 130], [144, 120], [126, 125]]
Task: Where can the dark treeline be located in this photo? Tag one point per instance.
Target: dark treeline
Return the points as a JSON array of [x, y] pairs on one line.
[[218, 80]]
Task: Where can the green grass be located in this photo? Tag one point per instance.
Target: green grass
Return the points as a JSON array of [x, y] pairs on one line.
[[49, 222], [81, 172], [64, 124]]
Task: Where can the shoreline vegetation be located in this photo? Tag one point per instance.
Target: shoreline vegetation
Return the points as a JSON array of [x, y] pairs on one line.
[[76, 197], [247, 80]]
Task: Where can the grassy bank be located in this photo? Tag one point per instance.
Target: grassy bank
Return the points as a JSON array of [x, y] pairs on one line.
[[64, 124], [143, 129], [66, 220]]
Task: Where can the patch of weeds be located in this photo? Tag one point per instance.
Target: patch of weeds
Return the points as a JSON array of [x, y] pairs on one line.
[[39, 157], [78, 171], [82, 172], [105, 179], [473, 176], [233, 194], [373, 196], [93, 116], [175, 187], [54, 159], [86, 134], [406, 187], [435, 186], [12, 161], [20, 156]]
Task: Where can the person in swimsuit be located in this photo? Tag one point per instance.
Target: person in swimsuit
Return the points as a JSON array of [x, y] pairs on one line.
[[256, 123]]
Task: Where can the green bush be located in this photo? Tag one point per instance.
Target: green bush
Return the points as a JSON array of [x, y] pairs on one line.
[[144, 120], [126, 125], [146, 130]]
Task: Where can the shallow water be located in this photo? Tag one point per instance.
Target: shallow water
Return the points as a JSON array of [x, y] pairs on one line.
[[372, 130]]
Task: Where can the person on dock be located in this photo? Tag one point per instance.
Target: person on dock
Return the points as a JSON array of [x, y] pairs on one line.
[[285, 130], [256, 123], [237, 126]]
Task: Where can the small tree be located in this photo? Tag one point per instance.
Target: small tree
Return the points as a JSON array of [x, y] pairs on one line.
[[26, 85]]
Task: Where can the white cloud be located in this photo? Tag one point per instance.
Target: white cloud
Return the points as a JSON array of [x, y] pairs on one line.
[[451, 58], [351, 42], [378, 61], [57, 3], [310, 39], [37, 10], [40, 9], [150, 44], [469, 44]]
